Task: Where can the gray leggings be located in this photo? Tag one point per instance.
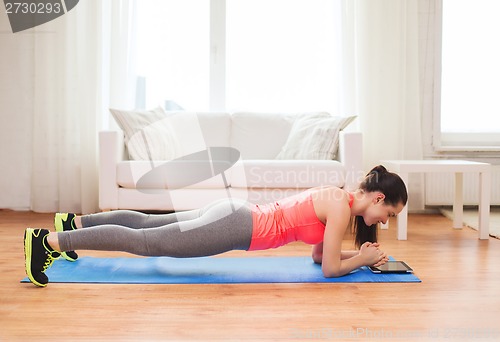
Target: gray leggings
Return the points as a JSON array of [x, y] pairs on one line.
[[220, 227]]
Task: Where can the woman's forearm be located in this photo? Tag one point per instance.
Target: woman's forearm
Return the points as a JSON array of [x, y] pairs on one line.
[[346, 266], [348, 254], [318, 255]]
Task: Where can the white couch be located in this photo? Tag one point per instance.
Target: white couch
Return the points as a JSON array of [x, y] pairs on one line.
[[256, 176]]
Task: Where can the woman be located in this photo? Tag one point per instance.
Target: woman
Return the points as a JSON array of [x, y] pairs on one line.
[[319, 216]]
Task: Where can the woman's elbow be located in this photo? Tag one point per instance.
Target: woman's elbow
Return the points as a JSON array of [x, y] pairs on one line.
[[331, 272], [317, 258]]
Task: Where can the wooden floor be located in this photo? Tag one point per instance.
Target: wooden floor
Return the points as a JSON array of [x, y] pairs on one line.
[[458, 299]]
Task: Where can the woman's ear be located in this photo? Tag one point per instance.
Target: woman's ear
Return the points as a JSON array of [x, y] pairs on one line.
[[379, 197]]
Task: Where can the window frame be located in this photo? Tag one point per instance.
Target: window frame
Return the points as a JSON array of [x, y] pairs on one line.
[[217, 63], [218, 68], [452, 141]]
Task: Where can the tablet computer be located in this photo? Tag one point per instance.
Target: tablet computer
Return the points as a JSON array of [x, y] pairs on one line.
[[392, 267]]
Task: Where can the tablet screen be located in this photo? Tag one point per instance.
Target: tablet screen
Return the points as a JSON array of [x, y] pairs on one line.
[[392, 266]]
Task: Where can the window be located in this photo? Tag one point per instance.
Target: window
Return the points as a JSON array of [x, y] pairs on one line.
[[470, 73], [173, 52], [281, 55], [278, 55]]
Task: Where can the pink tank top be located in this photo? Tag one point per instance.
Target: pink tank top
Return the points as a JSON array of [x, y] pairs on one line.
[[288, 220]]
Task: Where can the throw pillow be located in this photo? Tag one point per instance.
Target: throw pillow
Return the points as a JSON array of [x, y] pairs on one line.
[[314, 136], [148, 134]]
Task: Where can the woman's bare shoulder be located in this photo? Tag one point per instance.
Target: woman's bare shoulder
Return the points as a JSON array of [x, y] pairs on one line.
[[328, 200], [329, 194]]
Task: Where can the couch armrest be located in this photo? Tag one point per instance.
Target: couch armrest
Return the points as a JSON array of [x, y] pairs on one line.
[[110, 152], [351, 156]]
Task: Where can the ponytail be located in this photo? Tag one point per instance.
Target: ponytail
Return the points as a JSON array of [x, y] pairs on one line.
[[363, 232]]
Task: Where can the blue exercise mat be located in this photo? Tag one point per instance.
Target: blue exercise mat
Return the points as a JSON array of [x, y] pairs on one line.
[[208, 270]]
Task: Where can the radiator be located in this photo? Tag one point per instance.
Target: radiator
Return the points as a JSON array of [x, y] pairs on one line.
[[440, 188]]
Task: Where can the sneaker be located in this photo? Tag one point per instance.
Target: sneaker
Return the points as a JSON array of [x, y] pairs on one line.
[[38, 255], [62, 223]]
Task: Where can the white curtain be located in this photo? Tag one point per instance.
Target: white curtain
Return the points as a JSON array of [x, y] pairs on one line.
[[80, 64], [381, 77]]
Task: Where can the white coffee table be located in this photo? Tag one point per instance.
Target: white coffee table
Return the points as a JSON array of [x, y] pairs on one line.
[[404, 167]]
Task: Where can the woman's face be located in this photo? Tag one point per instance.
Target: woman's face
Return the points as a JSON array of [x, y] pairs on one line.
[[378, 211]]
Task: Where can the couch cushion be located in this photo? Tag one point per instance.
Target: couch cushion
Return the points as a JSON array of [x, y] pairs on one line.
[[260, 135], [158, 175], [198, 130], [287, 173], [314, 136], [216, 128], [148, 134]]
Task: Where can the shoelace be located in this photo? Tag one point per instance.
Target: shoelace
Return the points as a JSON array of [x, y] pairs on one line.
[[50, 259]]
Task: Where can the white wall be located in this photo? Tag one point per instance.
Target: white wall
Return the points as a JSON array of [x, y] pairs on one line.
[[16, 108]]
